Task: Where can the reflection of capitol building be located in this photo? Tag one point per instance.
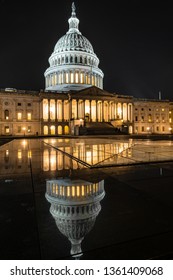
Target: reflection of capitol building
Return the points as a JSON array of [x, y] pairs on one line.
[[74, 100], [91, 154], [75, 204], [15, 156]]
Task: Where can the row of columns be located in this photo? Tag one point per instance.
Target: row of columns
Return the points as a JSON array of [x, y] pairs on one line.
[[67, 192], [94, 110], [74, 77]]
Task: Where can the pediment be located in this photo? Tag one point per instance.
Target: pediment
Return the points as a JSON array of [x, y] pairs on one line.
[[93, 91]]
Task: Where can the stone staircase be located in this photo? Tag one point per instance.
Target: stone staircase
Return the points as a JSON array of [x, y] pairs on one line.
[[100, 128]]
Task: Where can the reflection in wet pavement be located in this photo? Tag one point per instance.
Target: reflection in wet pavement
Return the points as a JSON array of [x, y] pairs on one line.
[[76, 218], [75, 204]]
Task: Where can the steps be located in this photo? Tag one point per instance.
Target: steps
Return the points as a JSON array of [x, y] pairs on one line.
[[100, 128]]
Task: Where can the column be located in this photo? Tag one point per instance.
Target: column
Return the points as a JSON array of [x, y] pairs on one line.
[[48, 109], [62, 110]]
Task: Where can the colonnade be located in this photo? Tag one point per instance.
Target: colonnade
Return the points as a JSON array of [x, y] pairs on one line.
[[88, 110], [74, 77]]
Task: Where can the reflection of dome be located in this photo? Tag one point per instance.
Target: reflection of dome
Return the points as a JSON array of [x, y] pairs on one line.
[[73, 63], [75, 204]]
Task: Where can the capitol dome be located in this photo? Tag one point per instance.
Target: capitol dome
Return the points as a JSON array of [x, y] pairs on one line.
[[73, 63]]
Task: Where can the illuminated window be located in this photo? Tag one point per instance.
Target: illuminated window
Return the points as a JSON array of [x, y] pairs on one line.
[[45, 130], [28, 116], [19, 116], [66, 130], [59, 129], [149, 118], [6, 114], [52, 130], [29, 128], [7, 129], [163, 109]]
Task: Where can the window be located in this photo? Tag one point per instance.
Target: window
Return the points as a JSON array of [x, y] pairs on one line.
[[19, 116], [28, 116], [157, 128], [6, 114], [19, 104], [142, 118], [29, 104], [149, 109], [142, 128], [149, 118], [163, 109], [7, 129], [136, 118], [19, 129], [163, 128], [29, 129], [142, 109]]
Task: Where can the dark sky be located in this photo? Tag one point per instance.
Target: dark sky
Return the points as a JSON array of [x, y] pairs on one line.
[[133, 40]]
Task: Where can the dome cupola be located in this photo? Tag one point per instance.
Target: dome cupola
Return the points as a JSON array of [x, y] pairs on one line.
[[73, 63]]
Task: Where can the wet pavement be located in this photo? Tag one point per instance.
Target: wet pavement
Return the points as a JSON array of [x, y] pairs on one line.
[[121, 210]]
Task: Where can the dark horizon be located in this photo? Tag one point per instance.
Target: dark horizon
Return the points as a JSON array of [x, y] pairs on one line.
[[132, 40]]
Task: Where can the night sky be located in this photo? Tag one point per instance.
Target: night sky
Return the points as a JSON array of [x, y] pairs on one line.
[[132, 39]]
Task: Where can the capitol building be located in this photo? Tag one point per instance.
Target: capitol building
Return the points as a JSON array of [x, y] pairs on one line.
[[74, 101]]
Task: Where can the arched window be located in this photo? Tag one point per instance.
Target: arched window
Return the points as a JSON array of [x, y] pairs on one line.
[[52, 130], [45, 130], [59, 129], [66, 130]]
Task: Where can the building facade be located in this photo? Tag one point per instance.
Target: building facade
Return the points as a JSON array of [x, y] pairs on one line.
[[74, 98]]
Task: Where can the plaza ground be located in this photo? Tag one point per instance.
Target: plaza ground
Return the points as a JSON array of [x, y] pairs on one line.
[[135, 221]]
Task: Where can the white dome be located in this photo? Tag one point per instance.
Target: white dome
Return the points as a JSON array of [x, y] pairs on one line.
[[73, 63], [73, 42]]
